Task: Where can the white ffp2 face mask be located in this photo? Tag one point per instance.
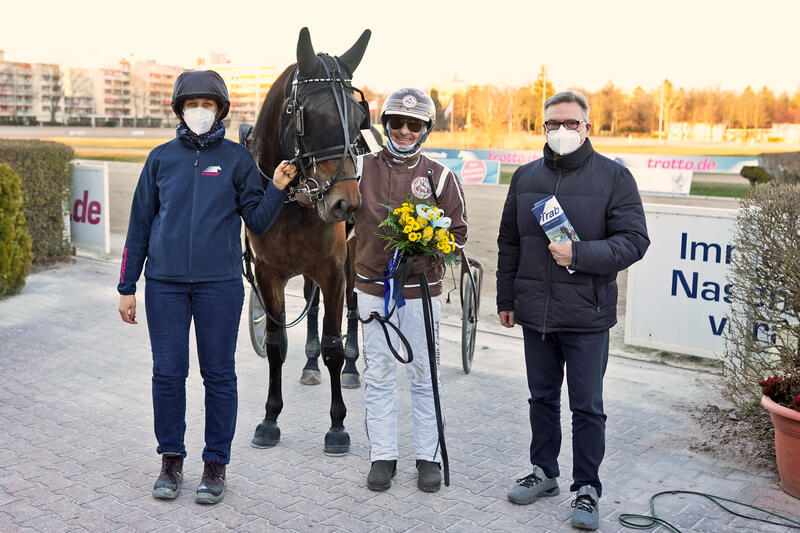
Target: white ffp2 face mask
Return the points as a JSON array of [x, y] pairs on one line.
[[563, 141], [198, 119]]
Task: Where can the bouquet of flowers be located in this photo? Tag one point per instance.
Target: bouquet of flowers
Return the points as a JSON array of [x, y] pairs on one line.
[[413, 229], [418, 229]]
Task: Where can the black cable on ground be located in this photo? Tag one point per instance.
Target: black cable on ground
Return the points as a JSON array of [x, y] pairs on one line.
[[652, 520]]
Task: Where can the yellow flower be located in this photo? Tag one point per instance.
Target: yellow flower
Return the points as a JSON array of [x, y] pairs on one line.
[[408, 228], [414, 236], [403, 219], [397, 211], [427, 233], [422, 221], [447, 248]]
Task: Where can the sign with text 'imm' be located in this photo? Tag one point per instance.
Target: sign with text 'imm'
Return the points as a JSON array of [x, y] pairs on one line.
[[678, 296]]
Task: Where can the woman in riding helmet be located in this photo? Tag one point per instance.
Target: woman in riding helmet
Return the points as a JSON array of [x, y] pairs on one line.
[[185, 221], [391, 176]]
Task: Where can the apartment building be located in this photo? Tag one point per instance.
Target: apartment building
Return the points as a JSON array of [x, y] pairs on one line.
[[151, 91], [247, 87], [28, 91], [129, 93]]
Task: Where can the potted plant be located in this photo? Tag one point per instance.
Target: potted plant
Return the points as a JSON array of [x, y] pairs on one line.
[[764, 318], [782, 400]]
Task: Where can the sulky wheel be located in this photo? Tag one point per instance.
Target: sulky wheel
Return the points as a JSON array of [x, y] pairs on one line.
[[469, 318], [257, 320]]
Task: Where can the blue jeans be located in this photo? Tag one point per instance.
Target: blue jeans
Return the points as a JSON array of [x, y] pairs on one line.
[[586, 357], [216, 308]]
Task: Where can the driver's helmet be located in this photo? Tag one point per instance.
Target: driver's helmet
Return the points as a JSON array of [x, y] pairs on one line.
[[410, 103]]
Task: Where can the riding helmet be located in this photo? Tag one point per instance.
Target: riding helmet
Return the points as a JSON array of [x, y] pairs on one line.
[[200, 84]]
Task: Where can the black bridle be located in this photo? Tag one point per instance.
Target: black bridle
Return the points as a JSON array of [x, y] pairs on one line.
[[306, 160]]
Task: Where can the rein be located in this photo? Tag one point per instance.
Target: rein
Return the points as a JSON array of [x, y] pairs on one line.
[[247, 272]]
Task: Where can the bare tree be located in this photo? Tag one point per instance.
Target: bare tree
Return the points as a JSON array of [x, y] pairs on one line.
[[56, 93]]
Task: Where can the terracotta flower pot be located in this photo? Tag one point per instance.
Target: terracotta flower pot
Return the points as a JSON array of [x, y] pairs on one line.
[[787, 444]]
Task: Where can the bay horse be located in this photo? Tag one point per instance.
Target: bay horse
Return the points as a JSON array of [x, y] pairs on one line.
[[311, 117]]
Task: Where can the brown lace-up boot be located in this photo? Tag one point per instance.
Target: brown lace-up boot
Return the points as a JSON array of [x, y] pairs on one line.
[[212, 487], [168, 484]]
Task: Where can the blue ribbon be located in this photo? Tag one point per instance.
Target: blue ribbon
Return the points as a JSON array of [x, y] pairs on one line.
[[390, 289]]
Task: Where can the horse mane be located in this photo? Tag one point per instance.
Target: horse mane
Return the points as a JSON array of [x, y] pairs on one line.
[[267, 147]]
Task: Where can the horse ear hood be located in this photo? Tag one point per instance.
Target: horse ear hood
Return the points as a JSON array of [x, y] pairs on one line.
[[352, 58], [306, 57]]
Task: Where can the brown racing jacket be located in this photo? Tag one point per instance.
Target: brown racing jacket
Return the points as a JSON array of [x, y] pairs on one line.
[[385, 181]]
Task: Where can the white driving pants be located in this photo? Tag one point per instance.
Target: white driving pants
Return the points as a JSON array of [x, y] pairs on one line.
[[380, 374]]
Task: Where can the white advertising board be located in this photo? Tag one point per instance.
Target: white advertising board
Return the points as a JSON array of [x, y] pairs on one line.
[[89, 220], [678, 295], [664, 181]]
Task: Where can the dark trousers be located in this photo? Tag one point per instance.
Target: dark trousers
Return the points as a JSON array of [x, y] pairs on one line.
[[216, 308], [586, 356]]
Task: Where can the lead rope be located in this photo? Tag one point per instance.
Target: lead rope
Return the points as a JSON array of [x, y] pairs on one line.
[[401, 275]]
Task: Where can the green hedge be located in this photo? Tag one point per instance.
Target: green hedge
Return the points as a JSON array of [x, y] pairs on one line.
[[755, 175], [46, 174], [15, 241]]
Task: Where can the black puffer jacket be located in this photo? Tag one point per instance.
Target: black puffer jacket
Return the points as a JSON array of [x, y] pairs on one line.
[[602, 202]]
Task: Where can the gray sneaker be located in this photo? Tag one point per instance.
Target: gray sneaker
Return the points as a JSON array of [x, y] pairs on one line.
[[532, 487], [586, 514]]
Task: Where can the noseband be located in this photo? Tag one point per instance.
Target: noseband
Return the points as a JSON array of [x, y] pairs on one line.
[[306, 160]]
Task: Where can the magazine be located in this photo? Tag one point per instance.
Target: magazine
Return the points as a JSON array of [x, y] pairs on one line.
[[554, 221]]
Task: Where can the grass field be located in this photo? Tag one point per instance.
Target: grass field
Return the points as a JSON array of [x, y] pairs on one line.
[[728, 190], [135, 151], [634, 145], [109, 142], [699, 188], [123, 157], [482, 140]]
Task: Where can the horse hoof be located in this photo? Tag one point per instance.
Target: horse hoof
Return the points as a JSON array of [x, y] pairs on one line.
[[337, 442], [351, 381], [311, 377], [267, 435]]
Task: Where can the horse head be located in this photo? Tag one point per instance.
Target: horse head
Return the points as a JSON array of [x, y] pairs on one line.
[[318, 120]]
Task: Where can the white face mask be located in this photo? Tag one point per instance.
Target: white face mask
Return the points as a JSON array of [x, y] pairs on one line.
[[198, 119], [563, 141]]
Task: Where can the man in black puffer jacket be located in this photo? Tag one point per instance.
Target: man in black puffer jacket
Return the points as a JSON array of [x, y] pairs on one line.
[[564, 294]]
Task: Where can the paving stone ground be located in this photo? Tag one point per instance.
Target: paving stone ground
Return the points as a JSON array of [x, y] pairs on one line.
[[77, 451]]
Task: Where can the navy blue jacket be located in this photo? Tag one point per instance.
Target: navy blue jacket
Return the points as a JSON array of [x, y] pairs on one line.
[[185, 217], [602, 202]]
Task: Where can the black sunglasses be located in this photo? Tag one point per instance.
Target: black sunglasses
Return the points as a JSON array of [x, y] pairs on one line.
[[552, 125], [414, 124]]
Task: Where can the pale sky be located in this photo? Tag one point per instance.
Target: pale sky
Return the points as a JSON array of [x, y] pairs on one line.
[[582, 43]]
